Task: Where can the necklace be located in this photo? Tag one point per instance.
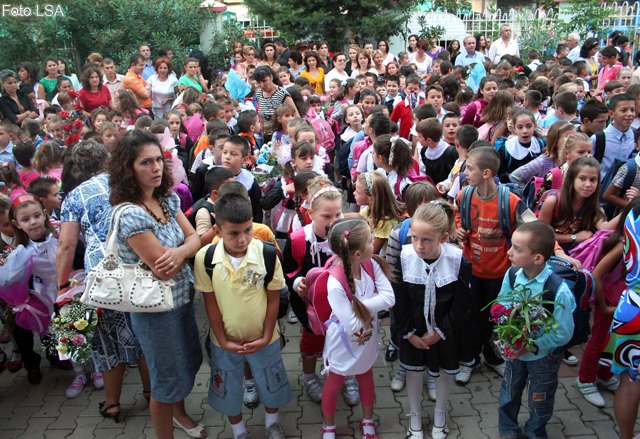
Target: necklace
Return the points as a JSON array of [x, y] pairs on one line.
[[165, 212]]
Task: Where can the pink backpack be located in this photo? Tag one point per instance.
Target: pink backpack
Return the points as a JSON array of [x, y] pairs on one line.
[[589, 252], [325, 136], [318, 308]]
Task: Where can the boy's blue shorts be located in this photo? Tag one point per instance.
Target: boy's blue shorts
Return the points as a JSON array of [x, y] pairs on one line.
[[227, 374]]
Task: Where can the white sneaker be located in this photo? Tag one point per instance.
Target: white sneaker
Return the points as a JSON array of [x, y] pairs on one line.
[[313, 387], [464, 375], [590, 393], [412, 434], [351, 391], [497, 368], [611, 384], [569, 359], [291, 317], [399, 380], [430, 382], [250, 394]]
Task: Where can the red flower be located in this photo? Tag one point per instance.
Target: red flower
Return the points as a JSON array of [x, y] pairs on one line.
[[498, 310], [67, 128], [64, 114], [72, 139], [73, 94], [64, 340], [78, 123], [519, 343]]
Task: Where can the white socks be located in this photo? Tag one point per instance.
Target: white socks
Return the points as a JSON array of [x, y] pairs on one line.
[[414, 392], [329, 434], [270, 419], [443, 387], [238, 429]]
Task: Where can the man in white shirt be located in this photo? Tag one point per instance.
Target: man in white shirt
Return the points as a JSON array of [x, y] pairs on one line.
[[573, 41], [111, 79], [505, 45], [469, 55]]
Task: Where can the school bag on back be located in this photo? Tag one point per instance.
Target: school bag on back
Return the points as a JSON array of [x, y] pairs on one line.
[[325, 136], [632, 169], [581, 284], [318, 308], [202, 203], [504, 212], [530, 192]]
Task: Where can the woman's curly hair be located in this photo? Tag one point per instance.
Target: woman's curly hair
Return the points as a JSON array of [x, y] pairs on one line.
[[122, 181]]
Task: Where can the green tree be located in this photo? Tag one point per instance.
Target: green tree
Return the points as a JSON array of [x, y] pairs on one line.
[[114, 28], [337, 21], [585, 16]]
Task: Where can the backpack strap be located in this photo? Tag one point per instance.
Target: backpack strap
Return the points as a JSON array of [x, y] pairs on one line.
[[269, 254], [630, 176], [367, 266], [404, 231], [504, 211], [465, 207], [512, 276], [556, 177], [550, 288], [601, 142], [338, 273]]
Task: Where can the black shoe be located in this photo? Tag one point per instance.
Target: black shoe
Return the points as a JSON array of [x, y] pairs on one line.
[[392, 354], [383, 314], [34, 376]]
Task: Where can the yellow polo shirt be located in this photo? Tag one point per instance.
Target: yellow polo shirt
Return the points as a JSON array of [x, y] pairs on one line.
[[241, 295]]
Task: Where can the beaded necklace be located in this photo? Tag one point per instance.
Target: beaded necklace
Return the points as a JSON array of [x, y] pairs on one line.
[[165, 212]]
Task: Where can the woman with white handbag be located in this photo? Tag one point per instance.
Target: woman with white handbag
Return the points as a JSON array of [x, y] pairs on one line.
[[154, 233]]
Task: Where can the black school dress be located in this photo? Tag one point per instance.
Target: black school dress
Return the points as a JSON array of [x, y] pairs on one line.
[[444, 285]]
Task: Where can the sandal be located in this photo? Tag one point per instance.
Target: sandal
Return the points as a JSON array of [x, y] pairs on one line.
[[104, 411], [197, 432]]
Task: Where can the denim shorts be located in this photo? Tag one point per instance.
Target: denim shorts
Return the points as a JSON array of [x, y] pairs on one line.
[[227, 374], [171, 347]]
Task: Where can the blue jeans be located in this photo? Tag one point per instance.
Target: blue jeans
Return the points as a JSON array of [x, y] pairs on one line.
[[542, 377]]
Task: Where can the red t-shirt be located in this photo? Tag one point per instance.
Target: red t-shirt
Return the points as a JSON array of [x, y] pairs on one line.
[[90, 101]]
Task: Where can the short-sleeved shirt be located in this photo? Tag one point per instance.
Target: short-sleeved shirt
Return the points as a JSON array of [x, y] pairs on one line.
[[188, 82], [88, 204], [267, 106], [135, 220], [381, 229], [90, 101], [240, 293], [618, 179]]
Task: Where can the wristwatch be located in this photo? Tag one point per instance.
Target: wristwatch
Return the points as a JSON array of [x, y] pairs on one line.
[[573, 238]]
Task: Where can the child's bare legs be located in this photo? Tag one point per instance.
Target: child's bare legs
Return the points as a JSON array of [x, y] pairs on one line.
[[625, 406]]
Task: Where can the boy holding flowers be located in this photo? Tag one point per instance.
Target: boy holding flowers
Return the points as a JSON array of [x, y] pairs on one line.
[[536, 356]]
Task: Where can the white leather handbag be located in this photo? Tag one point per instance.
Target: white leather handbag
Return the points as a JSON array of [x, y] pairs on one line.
[[115, 285]]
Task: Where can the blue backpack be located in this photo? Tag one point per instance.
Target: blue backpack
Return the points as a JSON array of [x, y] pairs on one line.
[[581, 284], [632, 169], [504, 213], [404, 231]]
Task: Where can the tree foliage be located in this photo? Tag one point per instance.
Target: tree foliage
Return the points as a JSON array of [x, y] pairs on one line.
[[114, 28], [337, 21]]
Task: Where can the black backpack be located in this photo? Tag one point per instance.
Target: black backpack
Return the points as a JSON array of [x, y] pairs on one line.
[[202, 203]]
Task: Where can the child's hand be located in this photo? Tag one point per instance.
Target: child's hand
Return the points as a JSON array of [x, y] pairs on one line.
[[232, 346], [462, 235], [253, 346], [418, 342], [290, 189], [584, 235], [632, 192], [520, 353], [302, 289], [431, 339], [440, 188]]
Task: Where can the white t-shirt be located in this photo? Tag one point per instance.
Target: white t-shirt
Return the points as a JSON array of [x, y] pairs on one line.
[[161, 90]]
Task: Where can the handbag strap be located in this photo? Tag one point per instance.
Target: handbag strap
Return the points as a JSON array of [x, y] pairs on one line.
[[116, 213]]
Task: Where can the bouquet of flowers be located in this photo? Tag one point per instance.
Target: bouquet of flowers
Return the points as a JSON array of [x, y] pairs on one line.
[[72, 126], [521, 321], [268, 163], [4, 254], [73, 326]]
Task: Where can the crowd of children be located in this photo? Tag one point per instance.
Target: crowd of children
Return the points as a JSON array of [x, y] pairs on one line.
[[398, 191]]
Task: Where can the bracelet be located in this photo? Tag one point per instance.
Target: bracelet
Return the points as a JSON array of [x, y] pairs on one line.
[[63, 286]]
